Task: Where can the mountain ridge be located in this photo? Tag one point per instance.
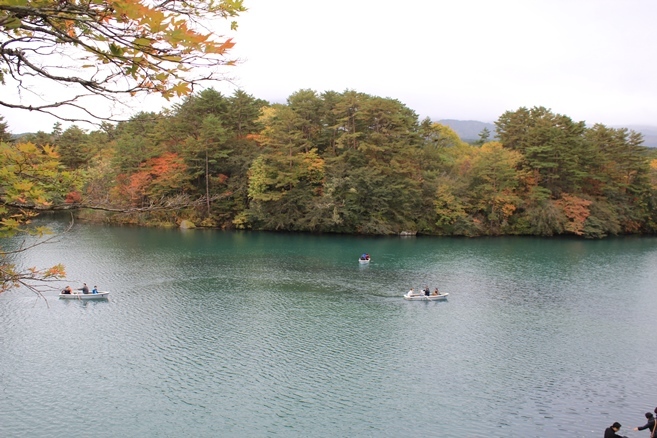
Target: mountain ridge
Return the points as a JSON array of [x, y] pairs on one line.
[[469, 130]]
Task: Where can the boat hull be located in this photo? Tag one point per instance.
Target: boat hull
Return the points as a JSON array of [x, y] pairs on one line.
[[364, 262], [441, 297], [79, 296]]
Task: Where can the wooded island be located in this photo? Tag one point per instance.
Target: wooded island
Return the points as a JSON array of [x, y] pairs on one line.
[[339, 163]]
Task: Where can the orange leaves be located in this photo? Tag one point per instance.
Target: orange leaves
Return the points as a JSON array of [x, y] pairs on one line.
[[137, 185], [162, 34], [70, 28], [57, 271], [166, 164], [73, 197], [255, 137], [508, 210], [576, 210], [158, 176], [220, 49]]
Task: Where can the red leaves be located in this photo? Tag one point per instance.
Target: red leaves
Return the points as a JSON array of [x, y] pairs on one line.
[[73, 197]]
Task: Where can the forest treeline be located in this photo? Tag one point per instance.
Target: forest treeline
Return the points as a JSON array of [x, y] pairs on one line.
[[354, 163]]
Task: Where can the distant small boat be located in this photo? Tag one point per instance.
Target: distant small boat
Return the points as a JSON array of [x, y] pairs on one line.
[[81, 296], [422, 297], [364, 261], [408, 233]]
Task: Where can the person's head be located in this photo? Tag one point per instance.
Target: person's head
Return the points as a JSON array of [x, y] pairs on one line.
[[648, 415], [616, 426]]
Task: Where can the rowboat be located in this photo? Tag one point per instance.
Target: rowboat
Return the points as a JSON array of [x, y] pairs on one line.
[[364, 261], [81, 296], [420, 297]]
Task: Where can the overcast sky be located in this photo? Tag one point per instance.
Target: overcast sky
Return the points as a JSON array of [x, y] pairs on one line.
[[592, 60]]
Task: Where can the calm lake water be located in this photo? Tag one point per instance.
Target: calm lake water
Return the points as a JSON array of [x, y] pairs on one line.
[[238, 334]]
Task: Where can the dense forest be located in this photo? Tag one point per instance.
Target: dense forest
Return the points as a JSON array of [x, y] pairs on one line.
[[350, 163]]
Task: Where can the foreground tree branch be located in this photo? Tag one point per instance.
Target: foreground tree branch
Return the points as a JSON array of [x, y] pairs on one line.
[[109, 48]]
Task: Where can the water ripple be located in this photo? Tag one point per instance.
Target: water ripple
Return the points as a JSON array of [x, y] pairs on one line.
[[234, 334]]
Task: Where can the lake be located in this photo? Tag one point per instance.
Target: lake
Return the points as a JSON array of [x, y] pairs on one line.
[[248, 334]]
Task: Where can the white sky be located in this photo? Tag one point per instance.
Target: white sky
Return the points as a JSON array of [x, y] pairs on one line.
[[592, 60]]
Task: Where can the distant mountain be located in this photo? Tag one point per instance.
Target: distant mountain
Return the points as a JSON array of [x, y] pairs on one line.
[[649, 133], [469, 130]]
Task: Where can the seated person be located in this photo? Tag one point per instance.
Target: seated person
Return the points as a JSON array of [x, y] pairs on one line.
[[426, 291], [67, 290], [95, 290], [411, 293]]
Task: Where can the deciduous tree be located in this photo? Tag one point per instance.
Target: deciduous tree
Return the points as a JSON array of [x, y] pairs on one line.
[[109, 48], [31, 179]]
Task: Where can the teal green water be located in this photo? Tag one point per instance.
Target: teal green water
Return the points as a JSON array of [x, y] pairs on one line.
[[237, 334]]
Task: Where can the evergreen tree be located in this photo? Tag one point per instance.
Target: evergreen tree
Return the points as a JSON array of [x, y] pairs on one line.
[[5, 135]]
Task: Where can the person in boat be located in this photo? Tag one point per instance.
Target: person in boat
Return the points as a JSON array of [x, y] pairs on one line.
[[67, 290], [426, 291], [435, 292], [364, 256], [650, 425], [84, 288], [367, 256], [95, 290], [610, 432], [411, 293]]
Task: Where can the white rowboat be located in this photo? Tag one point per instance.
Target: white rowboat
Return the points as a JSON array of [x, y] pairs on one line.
[[81, 296], [422, 297]]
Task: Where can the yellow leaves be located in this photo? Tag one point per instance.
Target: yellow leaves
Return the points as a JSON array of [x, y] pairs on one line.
[[653, 173], [29, 174], [171, 58], [129, 9], [11, 23], [143, 42], [154, 21], [50, 151], [180, 89]]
